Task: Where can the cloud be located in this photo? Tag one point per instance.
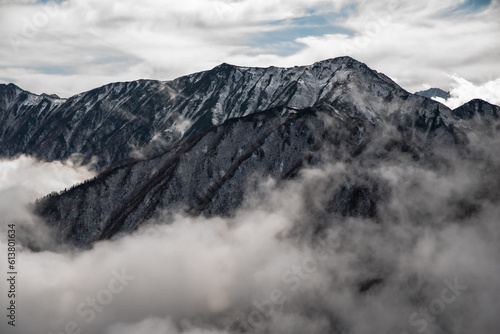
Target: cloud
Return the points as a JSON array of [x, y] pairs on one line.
[[19, 172], [151, 35], [462, 91], [94, 42], [279, 265], [24, 179]]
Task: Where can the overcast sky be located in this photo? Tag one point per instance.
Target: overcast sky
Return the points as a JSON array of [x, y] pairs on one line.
[[66, 47]]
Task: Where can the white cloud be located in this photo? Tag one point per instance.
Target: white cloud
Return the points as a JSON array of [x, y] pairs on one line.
[[87, 43], [23, 180], [463, 91], [38, 177]]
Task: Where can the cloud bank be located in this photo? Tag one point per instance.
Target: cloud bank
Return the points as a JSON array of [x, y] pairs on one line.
[[430, 263]]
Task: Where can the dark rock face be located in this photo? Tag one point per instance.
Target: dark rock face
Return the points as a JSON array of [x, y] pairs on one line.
[[477, 108], [241, 124]]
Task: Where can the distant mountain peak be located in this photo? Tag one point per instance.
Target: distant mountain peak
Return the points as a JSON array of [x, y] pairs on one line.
[[480, 101], [477, 107], [434, 92]]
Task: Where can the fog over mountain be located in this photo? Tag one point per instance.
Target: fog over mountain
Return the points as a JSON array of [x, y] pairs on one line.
[[314, 199]]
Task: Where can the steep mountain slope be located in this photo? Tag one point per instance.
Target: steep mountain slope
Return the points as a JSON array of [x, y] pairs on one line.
[[142, 118], [207, 173]]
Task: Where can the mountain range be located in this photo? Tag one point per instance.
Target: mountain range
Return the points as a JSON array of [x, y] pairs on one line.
[[197, 143]]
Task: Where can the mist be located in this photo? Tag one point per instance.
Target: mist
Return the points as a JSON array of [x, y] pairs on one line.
[[23, 179], [283, 263]]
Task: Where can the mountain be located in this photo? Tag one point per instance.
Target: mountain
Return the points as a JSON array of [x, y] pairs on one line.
[[120, 121], [480, 118], [477, 108], [434, 92], [254, 123]]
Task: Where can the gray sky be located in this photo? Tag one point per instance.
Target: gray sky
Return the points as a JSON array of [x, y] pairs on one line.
[[66, 47]]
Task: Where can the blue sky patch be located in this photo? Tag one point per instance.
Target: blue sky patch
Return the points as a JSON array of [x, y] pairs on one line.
[[281, 41], [477, 3], [471, 6]]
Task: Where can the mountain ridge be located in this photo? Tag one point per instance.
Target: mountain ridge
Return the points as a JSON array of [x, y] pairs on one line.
[[148, 114]]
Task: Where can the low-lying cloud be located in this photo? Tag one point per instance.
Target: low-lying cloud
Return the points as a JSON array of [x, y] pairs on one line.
[[280, 266], [24, 179]]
